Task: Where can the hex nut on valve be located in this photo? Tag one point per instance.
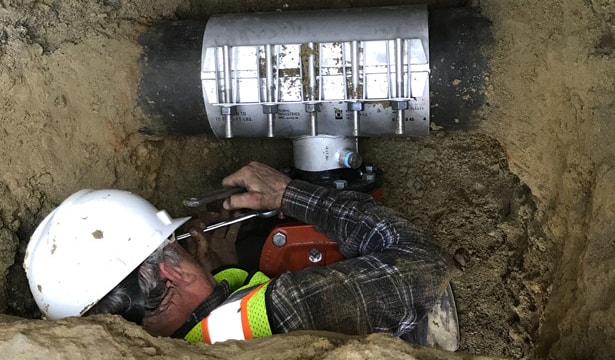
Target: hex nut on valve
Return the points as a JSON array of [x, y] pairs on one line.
[[340, 184], [369, 177], [369, 174], [279, 239]]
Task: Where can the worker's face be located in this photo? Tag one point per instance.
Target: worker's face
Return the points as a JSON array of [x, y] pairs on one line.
[[188, 285]]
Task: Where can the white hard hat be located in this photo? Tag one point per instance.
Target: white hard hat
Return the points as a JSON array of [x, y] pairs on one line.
[[88, 245]]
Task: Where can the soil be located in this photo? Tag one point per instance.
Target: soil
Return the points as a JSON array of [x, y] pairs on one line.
[[524, 201], [459, 186]]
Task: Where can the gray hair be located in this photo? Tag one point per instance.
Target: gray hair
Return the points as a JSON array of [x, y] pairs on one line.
[[152, 284]]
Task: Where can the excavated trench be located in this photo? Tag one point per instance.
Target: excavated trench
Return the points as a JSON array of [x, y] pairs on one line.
[[516, 177]]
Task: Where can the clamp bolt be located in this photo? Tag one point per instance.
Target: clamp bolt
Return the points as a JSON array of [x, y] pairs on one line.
[[279, 239], [315, 255]]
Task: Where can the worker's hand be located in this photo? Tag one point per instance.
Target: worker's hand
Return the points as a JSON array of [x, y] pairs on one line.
[[212, 249], [265, 187]]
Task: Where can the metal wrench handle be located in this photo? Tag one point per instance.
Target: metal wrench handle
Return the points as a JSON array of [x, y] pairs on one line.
[[240, 218], [213, 196]]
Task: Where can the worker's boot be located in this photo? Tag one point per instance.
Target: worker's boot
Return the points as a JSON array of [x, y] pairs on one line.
[[443, 324], [440, 327]]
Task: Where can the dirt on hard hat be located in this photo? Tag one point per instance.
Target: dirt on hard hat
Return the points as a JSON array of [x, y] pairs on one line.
[[523, 199]]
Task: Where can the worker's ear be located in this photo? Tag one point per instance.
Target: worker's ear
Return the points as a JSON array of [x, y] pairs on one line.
[[175, 274]]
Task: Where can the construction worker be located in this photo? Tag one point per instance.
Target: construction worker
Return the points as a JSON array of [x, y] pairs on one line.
[[109, 251]]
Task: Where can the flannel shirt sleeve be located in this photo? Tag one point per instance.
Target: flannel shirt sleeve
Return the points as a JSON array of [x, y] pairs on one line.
[[392, 275]]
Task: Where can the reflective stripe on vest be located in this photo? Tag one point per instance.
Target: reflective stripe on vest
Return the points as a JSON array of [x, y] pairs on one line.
[[242, 317]]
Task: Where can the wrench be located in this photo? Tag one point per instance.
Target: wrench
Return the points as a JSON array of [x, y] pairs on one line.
[[245, 216], [213, 196]]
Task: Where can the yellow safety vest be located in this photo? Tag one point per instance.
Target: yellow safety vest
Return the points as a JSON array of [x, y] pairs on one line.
[[242, 316]]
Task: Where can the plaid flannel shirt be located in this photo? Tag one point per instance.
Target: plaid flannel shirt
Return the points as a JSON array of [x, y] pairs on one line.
[[390, 279]]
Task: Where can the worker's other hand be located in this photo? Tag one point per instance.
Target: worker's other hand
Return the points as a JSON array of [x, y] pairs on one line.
[[265, 187], [212, 249]]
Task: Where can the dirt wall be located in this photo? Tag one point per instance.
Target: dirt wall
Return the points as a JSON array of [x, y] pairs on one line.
[[550, 103]]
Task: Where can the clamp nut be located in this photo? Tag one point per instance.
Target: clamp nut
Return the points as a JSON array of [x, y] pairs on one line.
[[228, 110], [312, 107], [355, 106], [270, 108], [399, 105]]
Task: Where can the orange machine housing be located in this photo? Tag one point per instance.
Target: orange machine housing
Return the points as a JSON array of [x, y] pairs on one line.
[[298, 246]]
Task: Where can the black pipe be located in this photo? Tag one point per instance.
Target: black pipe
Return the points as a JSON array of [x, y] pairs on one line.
[[170, 93], [460, 40]]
